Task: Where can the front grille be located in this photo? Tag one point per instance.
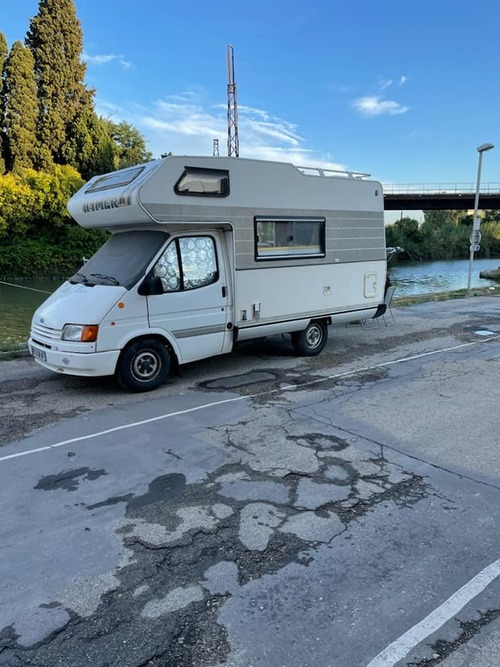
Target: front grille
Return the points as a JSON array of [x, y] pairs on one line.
[[46, 334], [39, 342]]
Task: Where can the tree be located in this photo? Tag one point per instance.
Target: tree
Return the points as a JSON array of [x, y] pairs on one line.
[[90, 149], [437, 218], [491, 216], [130, 145], [3, 55], [20, 108], [56, 39]]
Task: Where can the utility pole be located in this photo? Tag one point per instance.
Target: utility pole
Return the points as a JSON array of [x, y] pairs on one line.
[[233, 142]]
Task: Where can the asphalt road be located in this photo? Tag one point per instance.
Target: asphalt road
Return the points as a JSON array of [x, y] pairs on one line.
[[261, 510]]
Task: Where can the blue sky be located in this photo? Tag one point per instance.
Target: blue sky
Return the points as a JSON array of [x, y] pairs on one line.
[[405, 91]]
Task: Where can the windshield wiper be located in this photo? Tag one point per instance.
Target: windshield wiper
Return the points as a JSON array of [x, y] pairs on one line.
[[104, 277], [80, 275]]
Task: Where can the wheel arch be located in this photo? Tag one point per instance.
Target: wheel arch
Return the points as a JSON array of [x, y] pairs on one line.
[[157, 336]]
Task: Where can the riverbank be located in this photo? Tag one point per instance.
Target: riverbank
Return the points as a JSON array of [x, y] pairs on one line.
[[412, 300]]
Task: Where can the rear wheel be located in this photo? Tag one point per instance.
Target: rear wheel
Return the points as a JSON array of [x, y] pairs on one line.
[[311, 340], [143, 365]]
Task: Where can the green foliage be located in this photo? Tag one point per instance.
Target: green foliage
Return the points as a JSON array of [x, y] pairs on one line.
[[4, 49], [438, 218], [38, 238], [443, 235], [3, 137], [32, 201], [20, 108], [89, 147], [491, 216], [56, 40], [47, 255], [130, 145], [48, 121], [45, 95], [17, 201], [53, 189]]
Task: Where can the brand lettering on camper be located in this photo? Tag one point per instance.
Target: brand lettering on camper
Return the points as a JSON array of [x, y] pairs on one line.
[[105, 204]]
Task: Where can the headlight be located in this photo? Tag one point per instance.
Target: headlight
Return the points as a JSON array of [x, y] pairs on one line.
[[80, 333]]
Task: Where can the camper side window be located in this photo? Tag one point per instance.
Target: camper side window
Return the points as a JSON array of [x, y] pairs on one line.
[[288, 238], [188, 262], [203, 182]]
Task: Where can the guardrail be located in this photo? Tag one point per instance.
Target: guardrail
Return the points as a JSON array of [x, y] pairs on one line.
[[439, 188]]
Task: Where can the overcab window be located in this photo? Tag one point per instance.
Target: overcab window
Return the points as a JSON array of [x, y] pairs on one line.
[[117, 179], [287, 238], [203, 182]]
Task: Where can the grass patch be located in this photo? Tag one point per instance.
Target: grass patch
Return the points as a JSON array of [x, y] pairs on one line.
[[445, 296], [12, 346]]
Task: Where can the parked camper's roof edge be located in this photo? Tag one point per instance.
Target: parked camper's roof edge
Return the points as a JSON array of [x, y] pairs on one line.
[[183, 189], [315, 170]]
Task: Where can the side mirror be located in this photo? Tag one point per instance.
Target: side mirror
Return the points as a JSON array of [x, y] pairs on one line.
[[150, 285]]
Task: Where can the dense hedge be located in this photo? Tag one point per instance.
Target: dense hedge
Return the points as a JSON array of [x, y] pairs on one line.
[[48, 255], [443, 236], [38, 238]]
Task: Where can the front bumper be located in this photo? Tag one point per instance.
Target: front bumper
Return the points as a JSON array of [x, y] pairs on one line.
[[93, 364]]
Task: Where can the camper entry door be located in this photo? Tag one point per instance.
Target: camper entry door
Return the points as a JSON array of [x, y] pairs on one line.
[[193, 307]]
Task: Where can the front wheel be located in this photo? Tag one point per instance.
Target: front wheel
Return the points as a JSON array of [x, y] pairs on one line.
[[143, 365], [312, 340]]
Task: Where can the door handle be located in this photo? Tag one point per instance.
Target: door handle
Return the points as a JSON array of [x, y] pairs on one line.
[[224, 291]]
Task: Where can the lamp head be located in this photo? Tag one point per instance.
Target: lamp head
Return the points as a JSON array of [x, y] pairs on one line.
[[485, 147]]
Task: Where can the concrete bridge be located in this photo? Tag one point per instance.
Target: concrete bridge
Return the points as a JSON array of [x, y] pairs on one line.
[[440, 196]]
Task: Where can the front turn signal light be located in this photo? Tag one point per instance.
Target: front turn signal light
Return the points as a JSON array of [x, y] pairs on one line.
[[89, 333]]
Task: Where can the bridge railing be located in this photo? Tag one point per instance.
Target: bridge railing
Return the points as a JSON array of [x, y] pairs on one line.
[[439, 188]]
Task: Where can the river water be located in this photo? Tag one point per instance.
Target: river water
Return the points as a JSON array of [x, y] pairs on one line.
[[17, 303], [413, 278]]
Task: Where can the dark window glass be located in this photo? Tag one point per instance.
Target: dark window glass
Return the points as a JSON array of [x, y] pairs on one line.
[[299, 237], [116, 180], [203, 182], [122, 259]]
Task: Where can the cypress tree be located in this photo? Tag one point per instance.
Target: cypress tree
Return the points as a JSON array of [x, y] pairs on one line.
[[55, 38], [3, 55], [21, 108]]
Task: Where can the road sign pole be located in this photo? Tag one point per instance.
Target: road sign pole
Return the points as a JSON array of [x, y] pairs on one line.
[[476, 221]]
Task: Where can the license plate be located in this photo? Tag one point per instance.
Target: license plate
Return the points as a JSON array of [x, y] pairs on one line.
[[38, 354]]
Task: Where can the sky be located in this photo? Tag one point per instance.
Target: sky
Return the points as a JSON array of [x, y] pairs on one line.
[[404, 91]]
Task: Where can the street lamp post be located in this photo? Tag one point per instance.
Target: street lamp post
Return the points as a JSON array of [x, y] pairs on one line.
[[475, 237]]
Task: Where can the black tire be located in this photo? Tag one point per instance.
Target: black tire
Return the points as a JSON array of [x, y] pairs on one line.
[[143, 365], [310, 341]]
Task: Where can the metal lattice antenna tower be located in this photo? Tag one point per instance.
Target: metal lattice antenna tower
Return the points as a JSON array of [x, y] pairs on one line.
[[216, 148], [233, 143]]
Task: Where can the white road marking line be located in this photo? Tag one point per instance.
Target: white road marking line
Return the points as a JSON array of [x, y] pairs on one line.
[[400, 648], [168, 415]]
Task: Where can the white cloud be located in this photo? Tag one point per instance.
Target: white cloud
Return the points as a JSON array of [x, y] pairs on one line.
[[185, 125], [376, 105], [104, 59], [385, 84], [403, 80]]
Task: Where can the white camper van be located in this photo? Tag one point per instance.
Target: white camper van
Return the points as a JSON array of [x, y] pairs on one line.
[[207, 251]]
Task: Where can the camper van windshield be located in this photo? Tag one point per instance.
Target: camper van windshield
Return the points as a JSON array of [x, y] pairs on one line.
[[116, 180], [122, 260]]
